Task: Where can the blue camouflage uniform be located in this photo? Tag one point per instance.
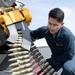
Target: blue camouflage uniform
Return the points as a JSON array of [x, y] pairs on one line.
[[62, 48]]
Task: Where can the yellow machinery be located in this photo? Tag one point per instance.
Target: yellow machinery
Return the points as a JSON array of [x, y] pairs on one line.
[[13, 23], [18, 54]]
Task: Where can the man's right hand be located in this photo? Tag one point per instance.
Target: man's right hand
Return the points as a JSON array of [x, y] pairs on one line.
[[39, 72]]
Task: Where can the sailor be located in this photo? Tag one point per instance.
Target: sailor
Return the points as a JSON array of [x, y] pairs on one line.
[[60, 40]]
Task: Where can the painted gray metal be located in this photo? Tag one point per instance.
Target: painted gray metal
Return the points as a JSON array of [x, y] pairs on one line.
[[5, 73], [4, 63]]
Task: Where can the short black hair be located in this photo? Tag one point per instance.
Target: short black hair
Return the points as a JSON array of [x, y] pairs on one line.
[[57, 14]]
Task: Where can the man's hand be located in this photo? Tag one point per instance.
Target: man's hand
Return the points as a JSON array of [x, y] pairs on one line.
[[38, 72]]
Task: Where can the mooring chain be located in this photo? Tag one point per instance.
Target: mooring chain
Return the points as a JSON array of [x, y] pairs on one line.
[[21, 58], [45, 66]]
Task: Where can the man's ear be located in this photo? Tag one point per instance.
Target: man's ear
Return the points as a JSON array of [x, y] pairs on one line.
[[62, 23]]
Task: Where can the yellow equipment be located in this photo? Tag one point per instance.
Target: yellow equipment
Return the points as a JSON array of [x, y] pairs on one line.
[[11, 20], [17, 53]]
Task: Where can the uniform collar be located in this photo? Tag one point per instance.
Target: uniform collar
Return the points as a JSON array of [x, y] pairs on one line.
[[60, 33]]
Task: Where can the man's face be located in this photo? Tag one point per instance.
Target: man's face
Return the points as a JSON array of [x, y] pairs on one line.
[[54, 25]]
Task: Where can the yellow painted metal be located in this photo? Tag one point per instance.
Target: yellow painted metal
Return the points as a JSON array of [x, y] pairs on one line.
[[4, 26], [16, 16], [6, 19], [5, 29], [13, 16], [27, 15]]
